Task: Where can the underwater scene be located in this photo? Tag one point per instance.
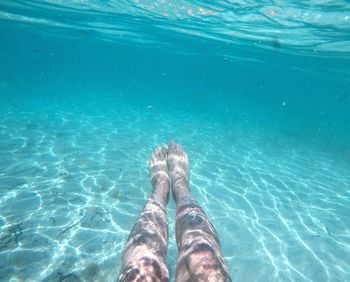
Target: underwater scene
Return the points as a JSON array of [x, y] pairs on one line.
[[256, 92]]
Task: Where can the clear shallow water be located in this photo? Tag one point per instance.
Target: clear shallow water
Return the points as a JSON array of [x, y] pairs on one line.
[[266, 127]]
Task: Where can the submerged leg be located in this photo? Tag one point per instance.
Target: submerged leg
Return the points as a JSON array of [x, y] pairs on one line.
[[146, 247], [200, 257]]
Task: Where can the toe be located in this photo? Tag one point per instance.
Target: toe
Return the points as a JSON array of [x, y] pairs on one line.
[[178, 150], [171, 146], [159, 156], [158, 152], [164, 153]]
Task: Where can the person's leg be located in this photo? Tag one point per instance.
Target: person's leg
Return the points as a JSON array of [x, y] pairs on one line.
[[200, 257], [146, 247]]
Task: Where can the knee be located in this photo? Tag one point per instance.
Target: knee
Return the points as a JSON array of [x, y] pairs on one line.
[[146, 269], [202, 255]]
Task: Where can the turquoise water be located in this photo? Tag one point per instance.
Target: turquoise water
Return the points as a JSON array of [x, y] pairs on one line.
[[257, 93]]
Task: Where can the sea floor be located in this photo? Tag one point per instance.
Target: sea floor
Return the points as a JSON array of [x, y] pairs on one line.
[[72, 183]]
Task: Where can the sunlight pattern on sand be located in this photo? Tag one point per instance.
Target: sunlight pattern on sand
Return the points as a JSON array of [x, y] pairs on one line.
[[72, 184]]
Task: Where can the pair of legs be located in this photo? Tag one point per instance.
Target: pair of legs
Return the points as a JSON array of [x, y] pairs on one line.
[[200, 258]]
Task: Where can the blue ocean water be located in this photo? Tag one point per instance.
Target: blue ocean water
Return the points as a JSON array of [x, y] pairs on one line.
[[257, 93]]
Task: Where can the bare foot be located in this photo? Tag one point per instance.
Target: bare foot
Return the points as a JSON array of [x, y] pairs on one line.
[[159, 173], [178, 170]]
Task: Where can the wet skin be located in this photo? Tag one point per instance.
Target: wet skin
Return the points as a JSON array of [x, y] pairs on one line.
[[146, 247], [200, 257]]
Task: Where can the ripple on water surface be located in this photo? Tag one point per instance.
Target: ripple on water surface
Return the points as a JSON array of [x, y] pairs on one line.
[[316, 28]]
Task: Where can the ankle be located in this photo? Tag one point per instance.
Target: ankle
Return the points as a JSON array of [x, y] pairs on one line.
[[180, 191], [161, 192]]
